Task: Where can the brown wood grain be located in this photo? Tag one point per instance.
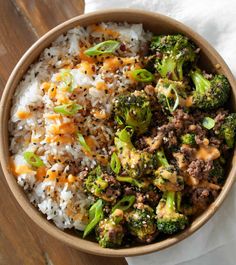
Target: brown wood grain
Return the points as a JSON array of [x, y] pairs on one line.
[[44, 15], [21, 241]]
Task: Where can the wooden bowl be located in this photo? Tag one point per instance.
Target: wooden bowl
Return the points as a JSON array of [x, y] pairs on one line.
[[156, 23]]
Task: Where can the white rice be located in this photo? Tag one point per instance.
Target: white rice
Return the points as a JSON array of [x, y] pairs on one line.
[[64, 202]]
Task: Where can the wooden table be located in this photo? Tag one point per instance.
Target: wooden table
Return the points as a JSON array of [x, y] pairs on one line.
[[22, 242]]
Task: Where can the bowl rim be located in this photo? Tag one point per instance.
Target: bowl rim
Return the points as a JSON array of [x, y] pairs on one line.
[[31, 211]]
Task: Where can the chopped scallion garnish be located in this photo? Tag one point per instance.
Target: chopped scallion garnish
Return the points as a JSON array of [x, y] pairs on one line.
[[32, 159], [142, 75], [208, 123], [105, 47], [68, 109], [115, 163], [83, 142]]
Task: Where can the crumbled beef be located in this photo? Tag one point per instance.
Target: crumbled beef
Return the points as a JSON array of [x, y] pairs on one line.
[[202, 197], [150, 90], [188, 152], [152, 198], [200, 169], [200, 134], [219, 119], [216, 142], [128, 190]]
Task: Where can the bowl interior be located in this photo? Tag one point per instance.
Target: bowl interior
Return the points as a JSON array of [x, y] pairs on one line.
[[155, 23]]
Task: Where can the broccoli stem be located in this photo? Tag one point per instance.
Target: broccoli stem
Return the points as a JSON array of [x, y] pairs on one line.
[[161, 158], [168, 67], [179, 68], [200, 82], [170, 201]]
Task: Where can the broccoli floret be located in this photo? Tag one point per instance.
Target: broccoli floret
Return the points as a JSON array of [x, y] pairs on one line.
[[217, 175], [188, 138], [170, 94], [173, 54], [209, 94], [169, 220], [133, 110], [110, 231], [141, 223], [166, 176], [228, 130], [102, 185], [136, 163]]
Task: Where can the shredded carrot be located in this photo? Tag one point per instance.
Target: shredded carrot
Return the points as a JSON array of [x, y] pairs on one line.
[[22, 169], [71, 178], [86, 66], [101, 85], [51, 175], [105, 31], [101, 115], [45, 86], [63, 139], [52, 116], [52, 92], [86, 58], [90, 142], [111, 64], [23, 114], [67, 128], [41, 173]]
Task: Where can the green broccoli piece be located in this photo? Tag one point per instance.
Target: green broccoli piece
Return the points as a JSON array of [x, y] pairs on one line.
[[169, 220], [228, 130], [217, 175], [110, 231], [136, 163], [133, 110], [170, 94], [209, 94], [141, 223], [173, 54], [102, 185], [166, 176], [188, 138]]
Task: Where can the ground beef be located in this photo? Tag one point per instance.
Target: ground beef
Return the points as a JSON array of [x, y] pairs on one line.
[[200, 134], [176, 127], [219, 119], [150, 90], [202, 197], [216, 142], [172, 139], [200, 169], [188, 152]]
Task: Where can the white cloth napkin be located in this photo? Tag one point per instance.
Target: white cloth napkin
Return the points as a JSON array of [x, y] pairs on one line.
[[215, 20]]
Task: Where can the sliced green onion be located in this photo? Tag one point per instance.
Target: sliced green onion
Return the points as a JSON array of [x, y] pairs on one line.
[[32, 159], [130, 180], [208, 123], [83, 142], [95, 215], [115, 163], [142, 75], [118, 120], [176, 100], [68, 109], [125, 134], [67, 79], [125, 203], [105, 47]]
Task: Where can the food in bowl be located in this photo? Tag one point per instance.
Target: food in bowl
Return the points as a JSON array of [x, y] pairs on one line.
[[119, 134]]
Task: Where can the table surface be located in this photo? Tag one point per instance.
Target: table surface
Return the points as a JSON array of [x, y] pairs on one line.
[[22, 242]]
